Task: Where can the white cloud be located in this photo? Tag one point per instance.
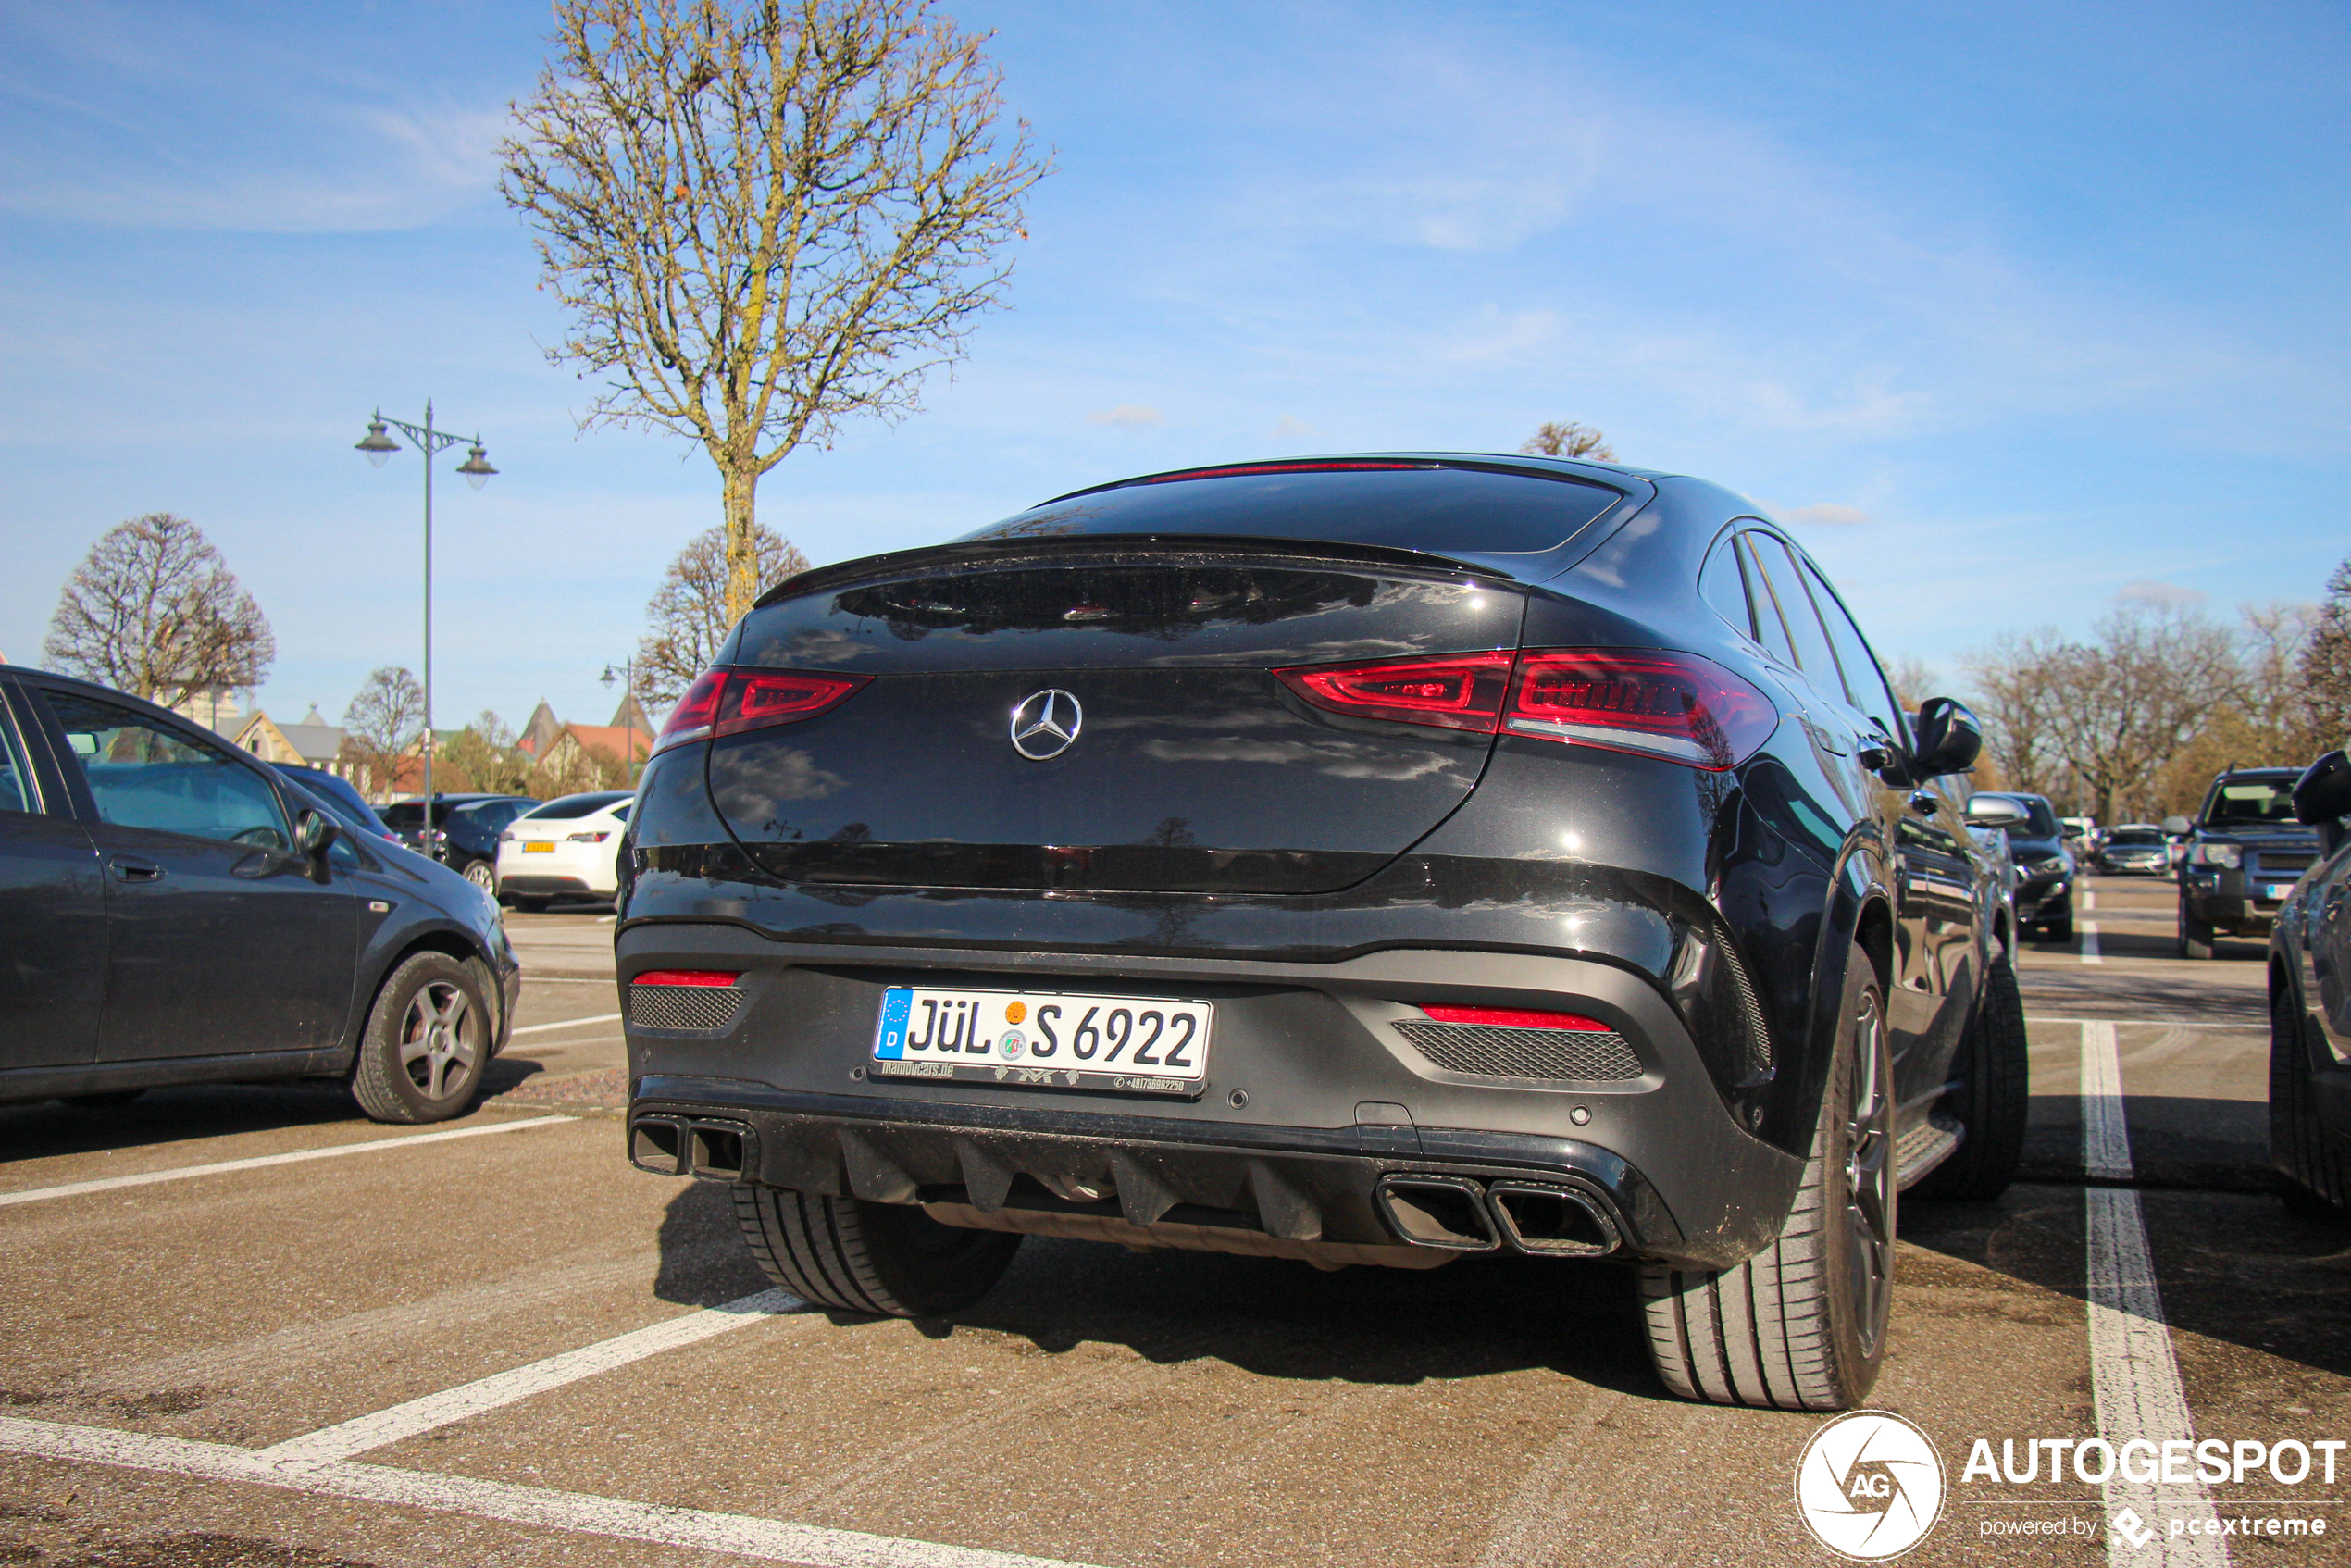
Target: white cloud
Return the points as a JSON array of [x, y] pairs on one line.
[[2162, 595], [1289, 428], [1128, 415], [1830, 513]]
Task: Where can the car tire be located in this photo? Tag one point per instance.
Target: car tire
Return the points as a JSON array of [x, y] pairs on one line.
[[1801, 1324], [482, 875], [890, 1259], [427, 1040], [2313, 1163], [2196, 936], [1994, 1066]]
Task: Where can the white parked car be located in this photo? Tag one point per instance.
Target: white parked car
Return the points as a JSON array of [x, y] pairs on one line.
[[568, 848]]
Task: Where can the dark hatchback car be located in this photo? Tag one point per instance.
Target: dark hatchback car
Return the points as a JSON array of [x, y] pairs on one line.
[[352, 807], [174, 911], [465, 831], [2310, 1004], [2045, 868], [1371, 859], [2245, 851], [2136, 849]]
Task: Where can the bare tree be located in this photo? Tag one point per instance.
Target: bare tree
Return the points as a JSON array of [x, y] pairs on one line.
[[689, 612], [153, 610], [485, 749], [766, 217], [2012, 677], [383, 724], [1571, 439]]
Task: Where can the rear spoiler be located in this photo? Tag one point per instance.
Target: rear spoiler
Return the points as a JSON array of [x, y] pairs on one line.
[[1047, 548]]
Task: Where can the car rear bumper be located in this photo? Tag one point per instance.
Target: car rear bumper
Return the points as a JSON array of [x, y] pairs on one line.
[[542, 885], [1314, 1102]]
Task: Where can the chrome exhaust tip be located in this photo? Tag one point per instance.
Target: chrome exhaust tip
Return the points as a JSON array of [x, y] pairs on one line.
[[1437, 1211], [1553, 1222]]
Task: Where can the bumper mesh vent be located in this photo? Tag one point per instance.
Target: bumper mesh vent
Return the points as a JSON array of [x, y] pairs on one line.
[[1496, 1052], [683, 1007]]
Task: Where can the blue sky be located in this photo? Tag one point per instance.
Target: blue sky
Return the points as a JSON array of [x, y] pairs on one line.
[[2010, 309]]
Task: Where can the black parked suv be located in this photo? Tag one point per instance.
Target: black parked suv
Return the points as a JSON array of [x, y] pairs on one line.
[[2245, 851], [2045, 868], [2310, 1005], [175, 911], [1360, 860]]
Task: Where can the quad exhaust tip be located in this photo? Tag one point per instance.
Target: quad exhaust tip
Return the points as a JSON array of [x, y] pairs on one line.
[[691, 1146], [1462, 1216]]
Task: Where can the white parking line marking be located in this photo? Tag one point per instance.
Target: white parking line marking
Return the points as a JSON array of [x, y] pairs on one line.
[[567, 1023], [2090, 953], [143, 1178], [386, 1426], [2134, 1375], [768, 1540], [2147, 1022]]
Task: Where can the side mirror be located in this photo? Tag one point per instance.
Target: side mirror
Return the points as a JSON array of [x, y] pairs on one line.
[[1994, 811], [2178, 827], [2323, 797], [314, 830], [1949, 739]]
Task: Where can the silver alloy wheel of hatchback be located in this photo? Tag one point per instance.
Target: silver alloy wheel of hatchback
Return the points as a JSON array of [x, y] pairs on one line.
[[439, 1038]]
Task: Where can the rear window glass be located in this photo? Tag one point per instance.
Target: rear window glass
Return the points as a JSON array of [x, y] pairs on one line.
[[1439, 510], [571, 807]]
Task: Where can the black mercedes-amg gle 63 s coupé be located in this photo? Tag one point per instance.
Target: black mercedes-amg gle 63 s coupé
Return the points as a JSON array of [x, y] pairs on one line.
[[1356, 860]]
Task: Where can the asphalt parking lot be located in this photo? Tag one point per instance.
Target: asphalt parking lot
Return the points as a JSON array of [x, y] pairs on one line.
[[505, 1346]]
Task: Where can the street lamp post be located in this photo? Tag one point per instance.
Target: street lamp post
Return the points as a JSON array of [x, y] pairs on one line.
[[627, 674], [378, 445]]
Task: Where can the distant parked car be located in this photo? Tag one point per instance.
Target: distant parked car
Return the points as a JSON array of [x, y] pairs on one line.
[[2135, 846], [407, 818], [2044, 866], [178, 911], [355, 811], [2310, 1004], [468, 836], [2246, 849], [568, 848], [2081, 835]]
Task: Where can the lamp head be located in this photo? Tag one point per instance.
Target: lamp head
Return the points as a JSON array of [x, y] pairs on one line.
[[378, 446], [476, 468]]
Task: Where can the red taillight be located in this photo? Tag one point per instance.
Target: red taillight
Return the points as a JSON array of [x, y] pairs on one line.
[[725, 702], [688, 977], [1673, 705], [1515, 1018], [1677, 707], [695, 711], [1457, 691]]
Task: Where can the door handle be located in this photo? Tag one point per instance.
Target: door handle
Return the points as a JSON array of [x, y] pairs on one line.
[[131, 868]]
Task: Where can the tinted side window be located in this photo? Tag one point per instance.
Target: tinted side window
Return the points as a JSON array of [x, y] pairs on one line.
[[1864, 682], [1722, 586], [1771, 626], [144, 775], [16, 793], [1812, 653]]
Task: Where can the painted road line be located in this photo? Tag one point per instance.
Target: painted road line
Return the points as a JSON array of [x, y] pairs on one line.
[[2134, 1375], [2089, 898], [145, 1179], [768, 1540], [567, 1023], [2148, 1023], [451, 1405], [2090, 953]]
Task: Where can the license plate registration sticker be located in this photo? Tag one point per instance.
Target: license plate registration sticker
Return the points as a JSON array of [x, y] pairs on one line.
[[2278, 890], [1128, 1044]]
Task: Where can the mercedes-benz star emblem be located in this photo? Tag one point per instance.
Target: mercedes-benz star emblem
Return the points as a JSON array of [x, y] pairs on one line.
[[1046, 724]]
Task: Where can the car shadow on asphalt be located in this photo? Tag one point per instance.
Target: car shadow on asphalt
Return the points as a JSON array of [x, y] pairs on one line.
[[52, 1127]]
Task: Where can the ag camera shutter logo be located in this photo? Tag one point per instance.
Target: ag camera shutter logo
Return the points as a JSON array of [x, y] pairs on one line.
[[1869, 1486]]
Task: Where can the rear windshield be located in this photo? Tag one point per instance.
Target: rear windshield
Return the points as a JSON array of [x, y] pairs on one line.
[[2251, 800], [1438, 510], [573, 806]]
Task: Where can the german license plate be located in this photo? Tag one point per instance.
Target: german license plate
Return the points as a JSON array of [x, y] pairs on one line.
[[539, 848], [1129, 1044], [2277, 891]]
